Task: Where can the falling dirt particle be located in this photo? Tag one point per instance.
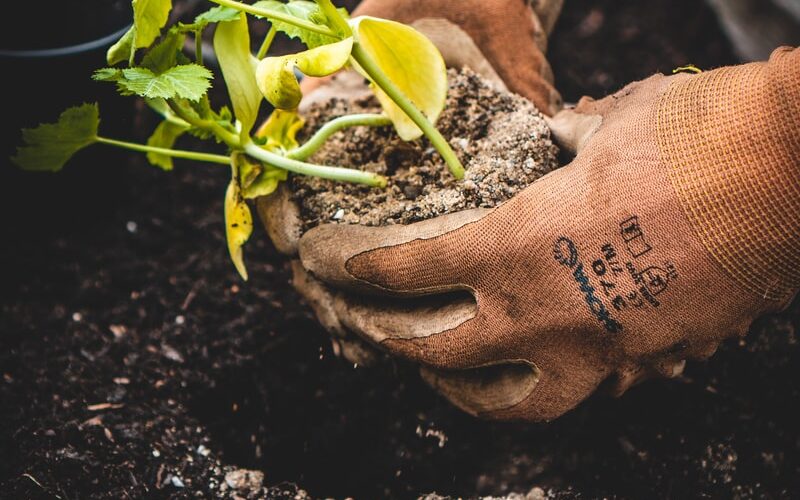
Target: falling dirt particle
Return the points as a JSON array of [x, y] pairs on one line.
[[438, 434], [96, 420], [171, 353], [118, 331], [104, 406], [244, 481]]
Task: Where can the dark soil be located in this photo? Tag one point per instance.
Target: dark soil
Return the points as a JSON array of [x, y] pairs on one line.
[[501, 138], [135, 364]]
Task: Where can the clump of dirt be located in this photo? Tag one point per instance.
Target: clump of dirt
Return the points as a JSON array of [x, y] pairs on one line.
[[501, 138]]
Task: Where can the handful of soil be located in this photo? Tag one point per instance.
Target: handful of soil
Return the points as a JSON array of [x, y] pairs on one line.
[[501, 138]]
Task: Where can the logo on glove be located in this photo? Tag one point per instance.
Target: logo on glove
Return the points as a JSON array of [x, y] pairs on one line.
[[566, 253]]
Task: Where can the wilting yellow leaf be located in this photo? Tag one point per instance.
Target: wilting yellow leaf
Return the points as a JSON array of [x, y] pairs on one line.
[[412, 62], [238, 225], [275, 75], [280, 130]]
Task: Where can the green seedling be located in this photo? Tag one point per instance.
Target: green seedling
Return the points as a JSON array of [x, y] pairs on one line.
[[405, 70]]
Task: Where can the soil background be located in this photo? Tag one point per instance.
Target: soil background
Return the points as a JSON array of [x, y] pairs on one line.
[[135, 364]]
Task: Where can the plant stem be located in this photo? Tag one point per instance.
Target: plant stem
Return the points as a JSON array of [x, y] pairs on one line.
[[280, 16], [175, 153], [267, 43], [229, 138], [325, 172], [381, 80], [198, 47], [336, 20], [318, 139]]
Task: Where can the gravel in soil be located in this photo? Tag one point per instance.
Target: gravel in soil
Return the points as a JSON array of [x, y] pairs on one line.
[[135, 364], [501, 138]]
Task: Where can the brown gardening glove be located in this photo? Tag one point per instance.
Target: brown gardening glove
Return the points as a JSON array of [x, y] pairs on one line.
[[504, 40], [677, 223], [511, 33]]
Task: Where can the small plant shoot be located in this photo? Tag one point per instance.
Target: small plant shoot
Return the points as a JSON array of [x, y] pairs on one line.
[[404, 68]]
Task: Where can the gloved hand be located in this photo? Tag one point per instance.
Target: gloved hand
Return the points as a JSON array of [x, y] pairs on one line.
[[677, 223], [503, 40]]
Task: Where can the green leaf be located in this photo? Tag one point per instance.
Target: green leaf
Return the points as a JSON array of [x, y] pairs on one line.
[[49, 146], [302, 9], [275, 75], [238, 224], [257, 179], [164, 55], [164, 136], [149, 16], [266, 182], [412, 62], [190, 81], [217, 14], [122, 50], [280, 130], [107, 74], [232, 47]]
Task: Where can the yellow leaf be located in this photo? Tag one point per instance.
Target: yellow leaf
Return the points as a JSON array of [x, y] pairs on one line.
[[275, 75], [238, 225], [412, 62], [280, 130], [232, 47]]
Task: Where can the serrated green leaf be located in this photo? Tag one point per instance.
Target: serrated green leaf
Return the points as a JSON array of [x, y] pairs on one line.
[[164, 55], [50, 145], [122, 49], [164, 136], [107, 75], [275, 75], [302, 9], [189, 81], [149, 16], [238, 225], [232, 47], [280, 130], [217, 14]]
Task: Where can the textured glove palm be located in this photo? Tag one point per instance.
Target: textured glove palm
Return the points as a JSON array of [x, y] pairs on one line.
[[676, 225]]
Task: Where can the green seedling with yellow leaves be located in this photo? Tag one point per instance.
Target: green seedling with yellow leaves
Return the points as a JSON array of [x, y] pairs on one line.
[[406, 72]]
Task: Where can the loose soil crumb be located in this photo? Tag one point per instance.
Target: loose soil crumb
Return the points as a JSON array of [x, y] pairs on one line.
[[500, 137]]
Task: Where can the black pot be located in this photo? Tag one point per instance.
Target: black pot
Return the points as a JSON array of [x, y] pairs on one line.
[[47, 66], [48, 61]]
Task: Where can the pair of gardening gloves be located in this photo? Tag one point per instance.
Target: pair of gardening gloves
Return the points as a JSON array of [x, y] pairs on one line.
[[675, 225]]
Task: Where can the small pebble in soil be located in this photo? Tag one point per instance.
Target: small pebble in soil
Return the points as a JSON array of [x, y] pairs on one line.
[[501, 138]]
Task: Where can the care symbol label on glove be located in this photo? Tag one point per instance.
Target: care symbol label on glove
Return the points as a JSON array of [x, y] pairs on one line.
[[611, 272]]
